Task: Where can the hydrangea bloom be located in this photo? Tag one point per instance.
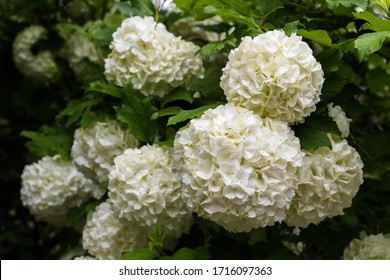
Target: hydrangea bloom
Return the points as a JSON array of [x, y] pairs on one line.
[[338, 115], [94, 148], [189, 28], [372, 247], [84, 258], [40, 67], [274, 75], [81, 54], [151, 59], [143, 188], [53, 185], [239, 170], [329, 180], [105, 237]]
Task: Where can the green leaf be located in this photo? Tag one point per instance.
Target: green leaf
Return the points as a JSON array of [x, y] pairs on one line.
[[101, 33], [369, 43], [332, 4], [177, 94], [143, 8], [137, 115], [189, 114], [103, 87], [318, 36], [77, 213], [266, 7], [197, 6], [331, 60], [332, 86], [313, 132], [374, 23], [166, 112], [49, 141], [211, 48], [140, 254], [291, 27], [156, 237], [76, 109], [231, 14], [208, 86]]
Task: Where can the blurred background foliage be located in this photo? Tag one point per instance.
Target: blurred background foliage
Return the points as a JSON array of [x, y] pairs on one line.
[[357, 79]]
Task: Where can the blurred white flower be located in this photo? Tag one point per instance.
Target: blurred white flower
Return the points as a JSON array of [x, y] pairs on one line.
[[164, 4], [80, 52], [40, 67], [94, 148], [338, 115], [191, 29], [239, 170], [151, 59], [143, 189], [53, 185], [106, 238], [380, 8], [84, 258], [274, 75], [329, 180], [372, 247]]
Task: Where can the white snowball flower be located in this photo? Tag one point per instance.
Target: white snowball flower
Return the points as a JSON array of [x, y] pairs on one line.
[[106, 238], [372, 247], [380, 8], [189, 28], [81, 53], [94, 148], [274, 75], [84, 258], [239, 170], [143, 188], [53, 185], [329, 180], [40, 67], [154, 61], [338, 115]]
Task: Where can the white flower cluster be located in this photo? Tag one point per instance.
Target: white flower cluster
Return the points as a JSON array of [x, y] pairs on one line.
[[151, 59], [79, 51], [379, 8], [274, 75], [144, 190], [94, 148], [40, 67], [239, 170], [372, 247], [329, 180], [53, 185], [338, 115], [189, 28], [105, 237]]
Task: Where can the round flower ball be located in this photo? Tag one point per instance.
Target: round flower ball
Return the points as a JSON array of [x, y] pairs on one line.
[[239, 170], [329, 180], [40, 67], [106, 238], [80, 52], [274, 75], [339, 117], [94, 148], [53, 185], [372, 247], [144, 189], [151, 59]]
